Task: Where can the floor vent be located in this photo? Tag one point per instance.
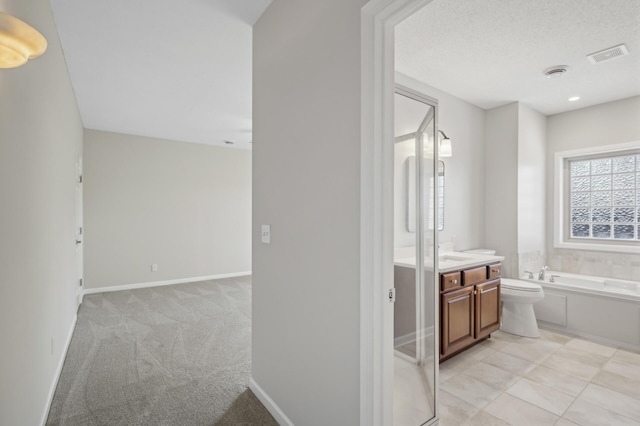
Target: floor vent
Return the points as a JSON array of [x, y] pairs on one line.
[[608, 54]]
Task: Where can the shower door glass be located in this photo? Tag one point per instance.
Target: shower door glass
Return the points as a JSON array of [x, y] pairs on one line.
[[415, 264]]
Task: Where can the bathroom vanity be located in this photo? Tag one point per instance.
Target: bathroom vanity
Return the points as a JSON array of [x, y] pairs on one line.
[[469, 306], [468, 290]]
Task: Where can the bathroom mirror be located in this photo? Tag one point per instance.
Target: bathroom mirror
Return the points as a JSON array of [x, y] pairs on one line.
[[411, 195]]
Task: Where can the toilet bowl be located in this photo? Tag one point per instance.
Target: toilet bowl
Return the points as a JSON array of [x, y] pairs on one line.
[[518, 298]]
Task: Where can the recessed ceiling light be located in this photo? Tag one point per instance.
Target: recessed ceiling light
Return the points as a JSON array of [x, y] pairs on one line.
[[574, 98]]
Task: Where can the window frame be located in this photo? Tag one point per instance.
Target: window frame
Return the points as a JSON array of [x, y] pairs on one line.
[[561, 208]]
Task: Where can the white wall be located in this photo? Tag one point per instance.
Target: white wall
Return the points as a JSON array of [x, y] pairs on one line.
[[464, 196], [306, 185], [501, 196], [515, 186], [40, 142], [604, 124], [183, 206], [532, 142]]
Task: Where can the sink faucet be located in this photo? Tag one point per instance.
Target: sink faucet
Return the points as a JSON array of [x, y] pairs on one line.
[[541, 273], [530, 274]]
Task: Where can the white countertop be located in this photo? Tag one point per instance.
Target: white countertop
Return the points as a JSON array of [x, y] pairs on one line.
[[451, 261]]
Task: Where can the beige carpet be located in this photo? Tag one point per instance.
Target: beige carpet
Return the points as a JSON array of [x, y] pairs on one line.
[[173, 355]]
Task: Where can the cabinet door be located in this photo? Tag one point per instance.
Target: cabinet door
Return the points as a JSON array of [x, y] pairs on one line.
[[457, 320], [487, 308]]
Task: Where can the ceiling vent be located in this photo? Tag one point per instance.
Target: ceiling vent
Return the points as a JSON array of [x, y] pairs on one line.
[[608, 54], [555, 72]]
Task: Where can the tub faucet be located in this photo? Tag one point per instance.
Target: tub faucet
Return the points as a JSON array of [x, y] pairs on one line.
[[541, 273], [530, 274], [553, 277]]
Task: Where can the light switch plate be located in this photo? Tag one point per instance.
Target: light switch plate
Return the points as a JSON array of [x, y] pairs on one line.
[[266, 234]]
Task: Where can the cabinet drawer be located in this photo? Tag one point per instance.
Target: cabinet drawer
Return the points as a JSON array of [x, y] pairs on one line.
[[493, 271], [474, 276], [450, 280]]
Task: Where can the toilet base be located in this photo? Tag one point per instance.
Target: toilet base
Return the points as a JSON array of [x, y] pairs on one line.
[[519, 319]]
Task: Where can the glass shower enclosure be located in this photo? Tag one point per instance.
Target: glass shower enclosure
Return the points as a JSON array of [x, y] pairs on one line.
[[415, 259]]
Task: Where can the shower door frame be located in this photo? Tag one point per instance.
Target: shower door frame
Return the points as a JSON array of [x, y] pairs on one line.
[[421, 247]]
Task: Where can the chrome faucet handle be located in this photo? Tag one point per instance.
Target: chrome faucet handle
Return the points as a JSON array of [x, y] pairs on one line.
[[541, 273], [552, 278], [530, 274]]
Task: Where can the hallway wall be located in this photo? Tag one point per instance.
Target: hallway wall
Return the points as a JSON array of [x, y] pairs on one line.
[[40, 142], [183, 206]]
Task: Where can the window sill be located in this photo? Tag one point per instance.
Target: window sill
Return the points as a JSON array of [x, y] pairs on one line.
[[593, 246]]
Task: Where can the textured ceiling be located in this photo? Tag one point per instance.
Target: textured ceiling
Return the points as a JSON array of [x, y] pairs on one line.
[[163, 68], [493, 52]]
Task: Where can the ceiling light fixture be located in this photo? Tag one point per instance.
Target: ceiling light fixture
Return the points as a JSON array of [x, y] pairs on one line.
[[444, 147], [574, 98], [19, 42], [556, 71]]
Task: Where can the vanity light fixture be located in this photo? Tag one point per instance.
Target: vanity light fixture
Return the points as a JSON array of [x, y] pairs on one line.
[[444, 146], [574, 98], [19, 42]]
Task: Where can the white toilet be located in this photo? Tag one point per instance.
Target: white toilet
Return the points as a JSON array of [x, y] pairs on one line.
[[518, 298]]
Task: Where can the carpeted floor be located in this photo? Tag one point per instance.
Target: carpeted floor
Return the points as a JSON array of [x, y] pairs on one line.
[[173, 355]]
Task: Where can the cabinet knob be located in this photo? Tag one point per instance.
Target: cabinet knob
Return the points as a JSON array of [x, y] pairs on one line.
[[454, 281]]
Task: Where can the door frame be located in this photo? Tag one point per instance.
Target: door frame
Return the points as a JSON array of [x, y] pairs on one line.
[[378, 20]]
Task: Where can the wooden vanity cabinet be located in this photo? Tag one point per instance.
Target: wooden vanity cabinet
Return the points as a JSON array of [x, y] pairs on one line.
[[487, 302], [457, 325], [469, 311]]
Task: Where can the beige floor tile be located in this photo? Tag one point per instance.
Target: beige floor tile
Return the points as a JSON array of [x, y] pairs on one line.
[[627, 356], [583, 356], [554, 337], [510, 363], [471, 390], [565, 422], [495, 343], [447, 373], [591, 347], [542, 396], [612, 400], [508, 337], [623, 368], [535, 351], [482, 418], [568, 366], [517, 412], [459, 362], [616, 382], [557, 380], [480, 351], [491, 375], [453, 410], [587, 414]]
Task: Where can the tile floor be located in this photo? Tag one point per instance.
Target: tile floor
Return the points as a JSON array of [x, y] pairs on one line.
[[555, 380]]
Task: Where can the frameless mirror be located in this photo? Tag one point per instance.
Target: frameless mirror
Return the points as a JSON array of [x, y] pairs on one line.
[[411, 195]]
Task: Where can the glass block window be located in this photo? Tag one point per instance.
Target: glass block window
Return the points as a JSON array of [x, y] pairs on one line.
[[604, 198]]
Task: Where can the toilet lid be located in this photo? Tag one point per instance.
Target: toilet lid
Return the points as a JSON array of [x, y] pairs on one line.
[[519, 285]]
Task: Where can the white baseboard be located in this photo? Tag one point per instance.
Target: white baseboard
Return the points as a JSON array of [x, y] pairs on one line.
[[161, 283], [269, 404], [56, 377]]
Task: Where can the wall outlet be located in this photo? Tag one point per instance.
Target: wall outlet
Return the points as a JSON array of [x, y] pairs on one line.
[[266, 234], [154, 267]]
